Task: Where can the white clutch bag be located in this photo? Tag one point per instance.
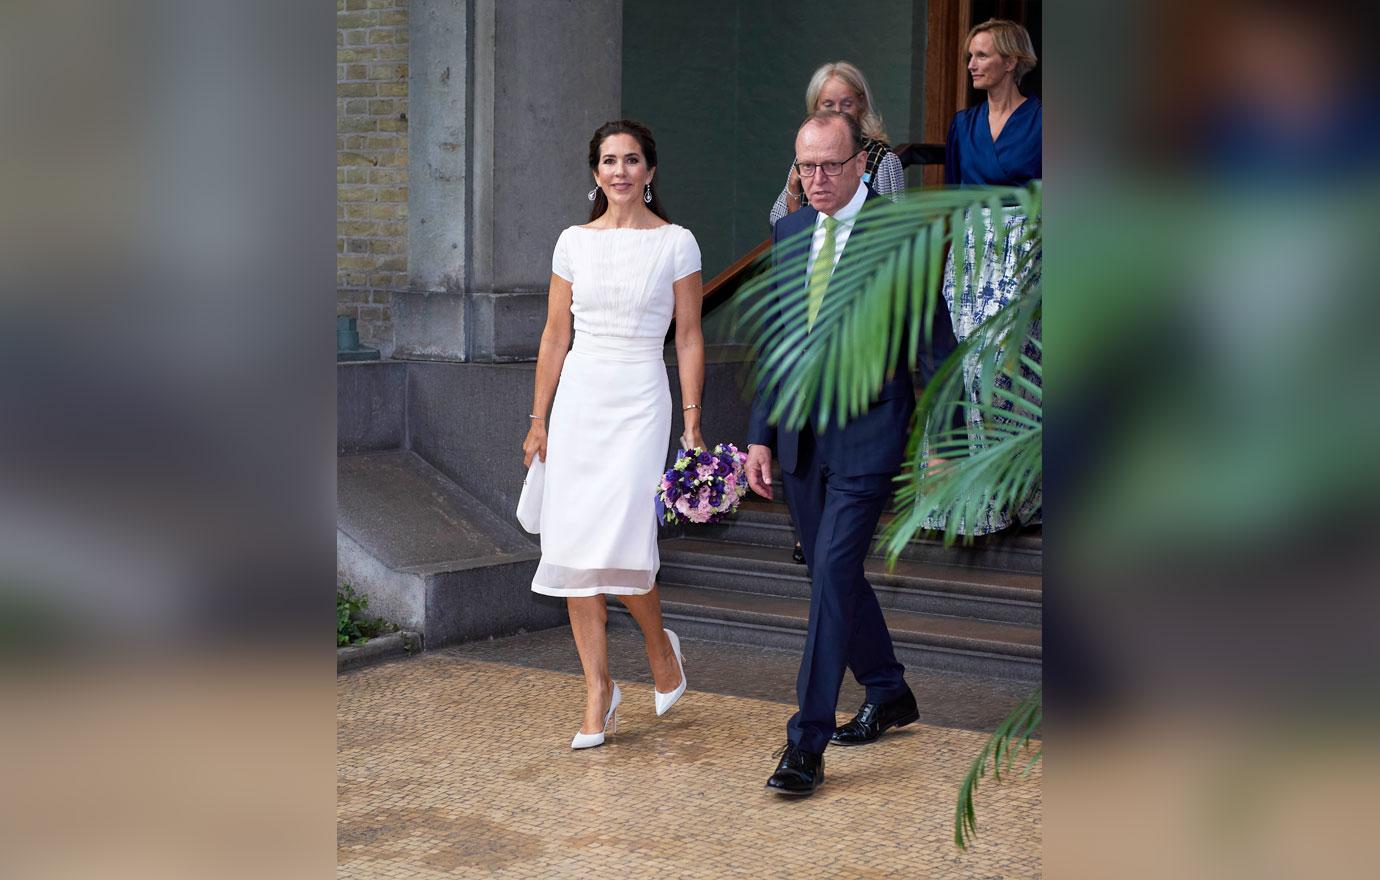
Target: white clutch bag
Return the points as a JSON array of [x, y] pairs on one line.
[[529, 502]]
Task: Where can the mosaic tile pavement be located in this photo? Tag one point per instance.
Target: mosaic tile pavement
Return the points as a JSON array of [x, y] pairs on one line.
[[945, 699], [452, 767]]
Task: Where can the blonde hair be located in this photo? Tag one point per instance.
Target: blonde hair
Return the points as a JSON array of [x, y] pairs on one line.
[[1011, 40], [849, 75]]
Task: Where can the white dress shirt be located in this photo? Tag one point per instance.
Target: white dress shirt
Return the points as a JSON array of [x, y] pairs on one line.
[[845, 215]]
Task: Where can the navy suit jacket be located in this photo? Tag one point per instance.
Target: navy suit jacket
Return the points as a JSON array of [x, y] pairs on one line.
[[871, 443]]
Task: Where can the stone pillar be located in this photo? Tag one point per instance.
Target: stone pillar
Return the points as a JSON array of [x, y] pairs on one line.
[[428, 319], [504, 97]]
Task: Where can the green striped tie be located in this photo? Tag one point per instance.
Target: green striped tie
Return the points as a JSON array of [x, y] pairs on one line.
[[820, 272]]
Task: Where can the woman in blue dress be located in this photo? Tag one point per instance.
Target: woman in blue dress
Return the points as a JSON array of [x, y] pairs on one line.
[[996, 143]]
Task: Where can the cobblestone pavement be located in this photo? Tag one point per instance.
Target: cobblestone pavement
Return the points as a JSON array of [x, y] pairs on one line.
[[946, 699], [450, 766]]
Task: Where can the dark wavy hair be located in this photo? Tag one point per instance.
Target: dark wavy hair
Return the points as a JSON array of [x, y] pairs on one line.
[[643, 136]]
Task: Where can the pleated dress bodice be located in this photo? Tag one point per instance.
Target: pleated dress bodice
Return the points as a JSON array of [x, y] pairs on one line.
[[621, 279]]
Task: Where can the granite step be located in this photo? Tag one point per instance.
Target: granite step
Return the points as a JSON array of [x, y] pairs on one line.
[[930, 641], [768, 524], [920, 587]]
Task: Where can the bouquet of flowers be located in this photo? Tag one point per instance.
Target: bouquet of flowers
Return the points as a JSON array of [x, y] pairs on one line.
[[703, 487]]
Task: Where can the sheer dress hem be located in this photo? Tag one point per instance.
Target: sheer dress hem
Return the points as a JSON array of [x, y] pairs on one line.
[[560, 580]]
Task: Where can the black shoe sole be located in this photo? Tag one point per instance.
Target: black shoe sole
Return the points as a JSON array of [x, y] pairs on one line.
[[794, 794]]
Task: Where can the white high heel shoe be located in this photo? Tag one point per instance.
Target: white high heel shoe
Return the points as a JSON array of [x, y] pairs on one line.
[[590, 740], [664, 702]]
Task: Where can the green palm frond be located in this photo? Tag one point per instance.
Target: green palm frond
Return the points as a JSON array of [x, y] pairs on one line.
[[881, 299], [1013, 735], [998, 462]]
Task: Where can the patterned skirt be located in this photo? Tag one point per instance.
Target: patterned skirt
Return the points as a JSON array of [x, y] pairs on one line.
[[998, 282]]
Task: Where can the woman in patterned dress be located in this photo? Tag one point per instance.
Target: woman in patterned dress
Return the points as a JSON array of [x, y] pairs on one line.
[[996, 143]]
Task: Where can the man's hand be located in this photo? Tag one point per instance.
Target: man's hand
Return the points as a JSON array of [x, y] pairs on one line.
[[759, 469]]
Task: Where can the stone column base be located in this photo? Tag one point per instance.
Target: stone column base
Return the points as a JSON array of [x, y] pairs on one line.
[[468, 327]]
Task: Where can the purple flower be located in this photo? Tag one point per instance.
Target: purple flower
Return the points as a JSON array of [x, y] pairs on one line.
[[706, 487]]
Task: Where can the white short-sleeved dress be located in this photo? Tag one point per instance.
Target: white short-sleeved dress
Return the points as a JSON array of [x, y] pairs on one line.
[[610, 423]]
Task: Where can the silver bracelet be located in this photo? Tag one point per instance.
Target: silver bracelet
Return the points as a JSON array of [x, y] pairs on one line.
[[538, 418], [690, 406]]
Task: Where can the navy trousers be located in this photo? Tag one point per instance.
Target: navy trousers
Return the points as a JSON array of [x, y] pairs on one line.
[[836, 517]]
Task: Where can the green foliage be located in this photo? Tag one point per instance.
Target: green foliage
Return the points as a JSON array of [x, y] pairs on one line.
[[1000, 461], [880, 299], [352, 627], [879, 310], [1011, 736]]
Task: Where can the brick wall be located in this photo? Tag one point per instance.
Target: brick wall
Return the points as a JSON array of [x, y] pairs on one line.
[[371, 162]]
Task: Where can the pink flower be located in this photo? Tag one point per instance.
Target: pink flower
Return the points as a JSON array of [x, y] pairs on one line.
[[724, 479]]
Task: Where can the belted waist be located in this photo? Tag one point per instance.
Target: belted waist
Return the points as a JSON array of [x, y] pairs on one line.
[[629, 349]]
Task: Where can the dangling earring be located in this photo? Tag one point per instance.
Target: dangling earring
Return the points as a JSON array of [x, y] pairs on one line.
[[592, 193], [647, 193]]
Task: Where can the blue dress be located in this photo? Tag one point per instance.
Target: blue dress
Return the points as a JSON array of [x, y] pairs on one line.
[[972, 158]]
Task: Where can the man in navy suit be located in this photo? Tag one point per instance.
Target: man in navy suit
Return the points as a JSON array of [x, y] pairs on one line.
[[839, 480]]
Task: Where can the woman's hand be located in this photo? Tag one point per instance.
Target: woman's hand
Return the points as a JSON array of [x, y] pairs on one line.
[[535, 444], [794, 191], [691, 438]]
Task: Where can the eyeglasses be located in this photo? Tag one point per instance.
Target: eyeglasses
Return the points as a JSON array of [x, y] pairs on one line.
[[830, 169]]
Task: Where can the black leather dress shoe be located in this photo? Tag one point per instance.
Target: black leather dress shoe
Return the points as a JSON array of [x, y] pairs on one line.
[[874, 719], [799, 773]]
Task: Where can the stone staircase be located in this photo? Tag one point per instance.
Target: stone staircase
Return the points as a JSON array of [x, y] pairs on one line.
[[973, 609], [429, 555]]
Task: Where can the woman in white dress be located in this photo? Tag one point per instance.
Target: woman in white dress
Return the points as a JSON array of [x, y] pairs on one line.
[[615, 284]]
